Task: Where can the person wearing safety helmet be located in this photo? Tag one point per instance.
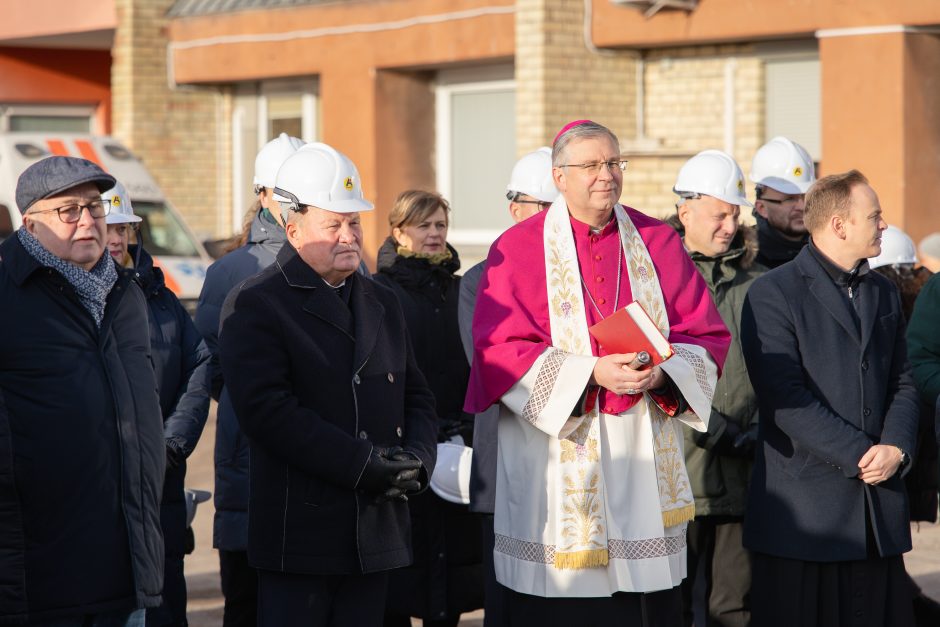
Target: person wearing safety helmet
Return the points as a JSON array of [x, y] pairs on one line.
[[827, 518], [230, 530], [897, 262], [592, 497], [339, 419], [180, 362], [929, 248], [782, 171], [710, 187], [531, 189]]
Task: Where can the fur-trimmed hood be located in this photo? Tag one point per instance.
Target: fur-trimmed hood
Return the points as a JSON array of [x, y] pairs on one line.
[[744, 246]]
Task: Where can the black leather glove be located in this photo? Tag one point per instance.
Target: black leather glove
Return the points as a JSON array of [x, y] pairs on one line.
[[390, 477], [174, 456], [736, 442]]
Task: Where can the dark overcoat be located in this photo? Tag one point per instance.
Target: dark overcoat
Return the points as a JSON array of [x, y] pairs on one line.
[[81, 448], [828, 390], [315, 385]]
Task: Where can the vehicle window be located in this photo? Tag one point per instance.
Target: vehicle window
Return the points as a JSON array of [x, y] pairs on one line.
[[162, 232]]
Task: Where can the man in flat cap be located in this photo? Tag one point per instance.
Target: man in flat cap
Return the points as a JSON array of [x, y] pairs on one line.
[[81, 434]]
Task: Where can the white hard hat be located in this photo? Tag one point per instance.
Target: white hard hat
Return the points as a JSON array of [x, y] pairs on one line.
[[271, 156], [532, 175], [712, 173], [321, 176], [451, 477], [122, 211], [783, 165], [896, 248]]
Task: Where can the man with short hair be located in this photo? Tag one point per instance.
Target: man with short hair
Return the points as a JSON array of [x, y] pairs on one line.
[[781, 171], [339, 419], [710, 186], [823, 339], [592, 498], [531, 189], [80, 420]]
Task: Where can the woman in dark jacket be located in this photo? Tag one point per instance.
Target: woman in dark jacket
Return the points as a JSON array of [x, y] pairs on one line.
[[180, 359], [419, 266]]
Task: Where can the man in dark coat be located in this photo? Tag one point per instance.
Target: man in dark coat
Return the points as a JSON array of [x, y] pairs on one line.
[[719, 459], [781, 171], [230, 527], [823, 338], [339, 419], [80, 425]]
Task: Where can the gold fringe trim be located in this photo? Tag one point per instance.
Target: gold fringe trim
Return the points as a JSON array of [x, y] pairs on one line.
[[581, 559], [674, 517]]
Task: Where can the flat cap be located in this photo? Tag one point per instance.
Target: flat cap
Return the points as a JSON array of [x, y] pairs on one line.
[[54, 175]]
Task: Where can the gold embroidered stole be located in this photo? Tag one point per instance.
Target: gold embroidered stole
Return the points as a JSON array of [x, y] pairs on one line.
[[580, 519]]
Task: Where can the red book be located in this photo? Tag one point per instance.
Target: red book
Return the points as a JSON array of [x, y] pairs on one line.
[[631, 330]]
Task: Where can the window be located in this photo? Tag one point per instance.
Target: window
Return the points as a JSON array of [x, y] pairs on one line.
[[53, 119], [792, 96], [476, 149], [261, 112]]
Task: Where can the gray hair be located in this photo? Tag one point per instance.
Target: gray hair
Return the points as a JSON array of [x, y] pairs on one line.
[[586, 130]]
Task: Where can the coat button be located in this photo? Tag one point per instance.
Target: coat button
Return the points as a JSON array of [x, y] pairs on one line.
[[867, 411], [363, 435], [391, 378], [356, 379], [398, 431], [599, 279], [865, 365]]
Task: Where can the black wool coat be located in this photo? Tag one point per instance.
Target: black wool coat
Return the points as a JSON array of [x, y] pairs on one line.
[[180, 362], [81, 448], [316, 385], [828, 390]]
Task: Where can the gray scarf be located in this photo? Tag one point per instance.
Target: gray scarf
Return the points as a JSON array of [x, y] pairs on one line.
[[91, 286]]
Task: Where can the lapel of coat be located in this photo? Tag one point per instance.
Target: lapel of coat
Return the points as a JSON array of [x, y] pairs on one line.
[[321, 300], [369, 315], [868, 307], [826, 292]]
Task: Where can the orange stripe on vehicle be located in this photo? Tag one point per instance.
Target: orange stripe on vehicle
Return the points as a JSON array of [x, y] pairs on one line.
[[86, 150], [57, 147], [169, 280]]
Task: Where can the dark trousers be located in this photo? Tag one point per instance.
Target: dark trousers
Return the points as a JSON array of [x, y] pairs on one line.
[[495, 594], [172, 612], [240, 589], [293, 600], [719, 571], [626, 609], [866, 593]]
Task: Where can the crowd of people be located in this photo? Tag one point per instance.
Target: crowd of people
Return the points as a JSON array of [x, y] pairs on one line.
[[417, 443]]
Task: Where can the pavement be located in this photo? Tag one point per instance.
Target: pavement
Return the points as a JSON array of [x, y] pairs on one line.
[[202, 567]]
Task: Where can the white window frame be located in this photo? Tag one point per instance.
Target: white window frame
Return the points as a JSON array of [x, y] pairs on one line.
[[52, 111], [308, 89], [463, 81]]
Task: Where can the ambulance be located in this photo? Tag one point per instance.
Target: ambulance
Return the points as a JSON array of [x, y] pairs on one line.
[[166, 237]]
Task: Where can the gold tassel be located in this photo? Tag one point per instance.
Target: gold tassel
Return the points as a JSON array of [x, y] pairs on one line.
[[581, 559], [674, 517]]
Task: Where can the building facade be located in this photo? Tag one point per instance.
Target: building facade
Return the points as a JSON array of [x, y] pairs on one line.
[[446, 94]]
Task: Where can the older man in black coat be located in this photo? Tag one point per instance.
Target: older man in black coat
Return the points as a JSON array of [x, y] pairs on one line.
[[824, 342], [340, 421]]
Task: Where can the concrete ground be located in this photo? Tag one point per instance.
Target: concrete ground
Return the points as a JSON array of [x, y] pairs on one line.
[[202, 567]]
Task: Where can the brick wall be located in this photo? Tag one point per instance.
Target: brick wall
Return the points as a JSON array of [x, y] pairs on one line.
[[559, 79], [181, 134]]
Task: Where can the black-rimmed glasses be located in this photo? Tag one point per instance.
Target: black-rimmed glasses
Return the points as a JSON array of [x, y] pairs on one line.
[[541, 203], [72, 213]]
